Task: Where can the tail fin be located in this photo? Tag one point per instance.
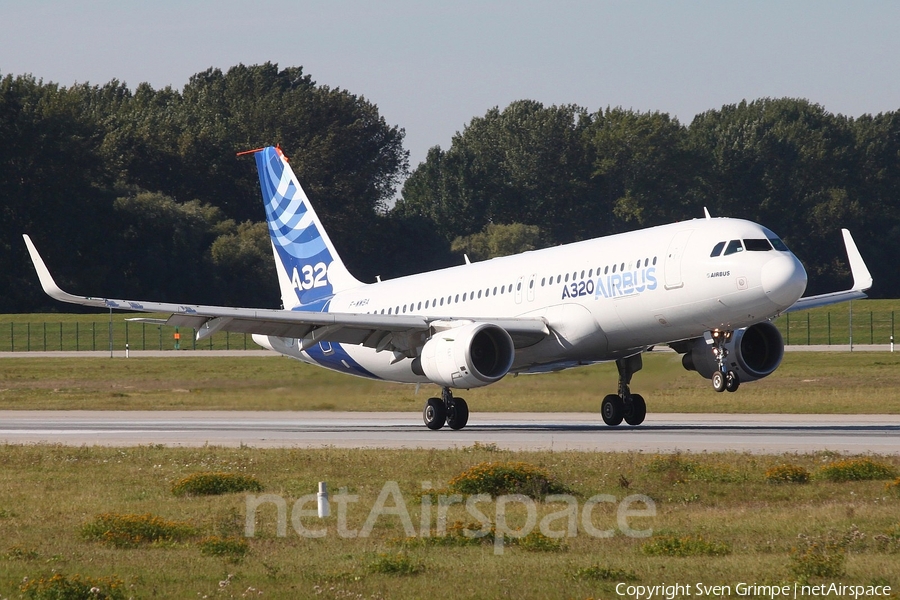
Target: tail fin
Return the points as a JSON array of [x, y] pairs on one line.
[[309, 268]]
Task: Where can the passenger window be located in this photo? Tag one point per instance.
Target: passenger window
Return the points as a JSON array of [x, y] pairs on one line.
[[654, 260], [567, 278], [591, 273], [717, 250], [623, 267], [606, 270], [733, 247], [495, 290], [757, 245], [543, 281], [531, 284], [426, 304], [614, 268], [389, 311], [419, 307], [442, 300]]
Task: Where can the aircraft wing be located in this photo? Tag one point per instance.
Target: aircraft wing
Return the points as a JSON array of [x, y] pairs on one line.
[[862, 280], [383, 332]]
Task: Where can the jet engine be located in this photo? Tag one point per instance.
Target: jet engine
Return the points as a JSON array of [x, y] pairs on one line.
[[468, 356], [753, 353]]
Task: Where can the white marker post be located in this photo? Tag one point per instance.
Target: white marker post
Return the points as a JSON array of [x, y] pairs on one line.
[[322, 497]]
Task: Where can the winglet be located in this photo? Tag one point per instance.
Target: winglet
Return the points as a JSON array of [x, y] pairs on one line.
[[50, 287], [862, 279]]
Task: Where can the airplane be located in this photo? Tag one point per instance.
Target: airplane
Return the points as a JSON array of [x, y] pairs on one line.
[[708, 288]]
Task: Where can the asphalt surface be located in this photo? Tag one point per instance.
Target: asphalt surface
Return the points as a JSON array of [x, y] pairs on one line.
[[517, 431]]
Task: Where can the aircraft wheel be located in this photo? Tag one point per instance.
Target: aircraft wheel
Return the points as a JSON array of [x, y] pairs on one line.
[[434, 414], [612, 410], [636, 410], [718, 381], [732, 381], [457, 414]]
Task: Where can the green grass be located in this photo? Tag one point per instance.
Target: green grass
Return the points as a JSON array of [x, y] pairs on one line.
[[774, 533], [806, 382]]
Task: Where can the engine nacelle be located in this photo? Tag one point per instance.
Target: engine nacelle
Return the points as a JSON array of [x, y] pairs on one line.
[[753, 353], [468, 356]]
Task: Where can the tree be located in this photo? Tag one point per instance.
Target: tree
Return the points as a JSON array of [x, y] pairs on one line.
[[524, 164], [499, 240]]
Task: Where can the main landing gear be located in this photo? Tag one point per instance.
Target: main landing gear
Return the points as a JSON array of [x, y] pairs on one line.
[[625, 406], [723, 379], [446, 409]]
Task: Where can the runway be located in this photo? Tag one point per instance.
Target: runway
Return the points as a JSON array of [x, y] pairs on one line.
[[515, 431]]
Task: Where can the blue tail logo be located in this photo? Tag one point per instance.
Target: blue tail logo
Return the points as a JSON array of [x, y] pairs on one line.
[[307, 261]]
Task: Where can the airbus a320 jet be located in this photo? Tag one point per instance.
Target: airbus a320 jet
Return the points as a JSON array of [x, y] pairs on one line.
[[708, 288]]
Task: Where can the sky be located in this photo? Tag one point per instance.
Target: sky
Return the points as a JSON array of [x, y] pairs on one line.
[[431, 67]]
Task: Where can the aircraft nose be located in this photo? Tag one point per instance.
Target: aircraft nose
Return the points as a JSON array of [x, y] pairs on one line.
[[784, 280]]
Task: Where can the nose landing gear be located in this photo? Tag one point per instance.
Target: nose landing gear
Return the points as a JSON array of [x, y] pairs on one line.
[[723, 379]]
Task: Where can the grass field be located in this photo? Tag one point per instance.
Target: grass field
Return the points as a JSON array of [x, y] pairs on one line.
[[807, 382], [716, 511]]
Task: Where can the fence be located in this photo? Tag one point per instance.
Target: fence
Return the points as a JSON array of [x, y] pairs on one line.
[[827, 328], [96, 335], [802, 328]]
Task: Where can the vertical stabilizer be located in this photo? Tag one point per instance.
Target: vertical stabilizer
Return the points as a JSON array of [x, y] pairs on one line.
[[309, 268]]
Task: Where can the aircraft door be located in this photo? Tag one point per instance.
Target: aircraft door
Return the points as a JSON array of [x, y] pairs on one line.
[[519, 283], [673, 259]]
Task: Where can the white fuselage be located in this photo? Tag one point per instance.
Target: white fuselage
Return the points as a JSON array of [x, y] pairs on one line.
[[602, 299]]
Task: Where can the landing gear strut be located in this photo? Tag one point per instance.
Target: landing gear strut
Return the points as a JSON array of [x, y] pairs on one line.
[[446, 409], [625, 406], [723, 379]]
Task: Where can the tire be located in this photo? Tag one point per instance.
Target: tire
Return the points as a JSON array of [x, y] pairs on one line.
[[635, 413], [732, 381], [458, 414], [612, 410], [718, 381], [434, 414]]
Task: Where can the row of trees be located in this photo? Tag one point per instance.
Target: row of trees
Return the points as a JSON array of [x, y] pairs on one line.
[[785, 163], [140, 194]]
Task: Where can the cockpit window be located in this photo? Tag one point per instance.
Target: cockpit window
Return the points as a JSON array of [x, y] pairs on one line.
[[733, 247], [757, 245], [778, 244], [717, 249]]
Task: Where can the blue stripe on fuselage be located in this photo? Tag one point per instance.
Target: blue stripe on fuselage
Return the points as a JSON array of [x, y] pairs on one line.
[[338, 360]]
